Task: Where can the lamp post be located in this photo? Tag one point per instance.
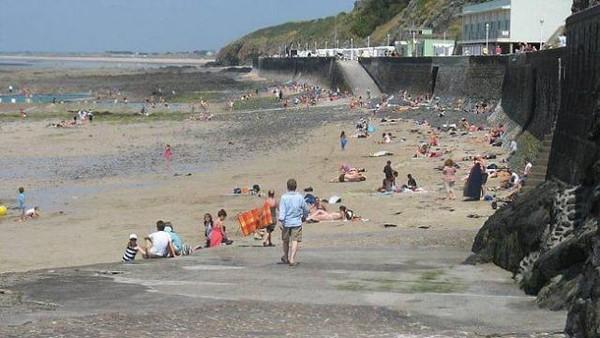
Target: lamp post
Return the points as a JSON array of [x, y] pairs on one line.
[[388, 39], [369, 41], [487, 36], [414, 44], [541, 33]]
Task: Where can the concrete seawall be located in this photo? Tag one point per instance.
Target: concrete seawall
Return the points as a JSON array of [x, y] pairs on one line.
[[528, 84], [322, 71], [576, 144]]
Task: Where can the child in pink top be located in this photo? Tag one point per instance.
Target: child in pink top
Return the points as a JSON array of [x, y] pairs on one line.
[[168, 153], [449, 172]]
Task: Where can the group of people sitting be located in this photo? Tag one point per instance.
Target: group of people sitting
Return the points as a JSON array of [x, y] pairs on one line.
[[80, 117], [494, 137], [389, 182], [363, 128], [479, 172], [165, 242]]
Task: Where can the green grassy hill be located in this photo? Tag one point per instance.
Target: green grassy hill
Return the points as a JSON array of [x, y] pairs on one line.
[[370, 18]]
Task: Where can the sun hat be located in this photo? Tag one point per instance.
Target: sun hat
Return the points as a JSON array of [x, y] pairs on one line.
[[133, 236]]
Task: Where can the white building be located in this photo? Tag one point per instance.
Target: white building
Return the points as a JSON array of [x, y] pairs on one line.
[[508, 23]]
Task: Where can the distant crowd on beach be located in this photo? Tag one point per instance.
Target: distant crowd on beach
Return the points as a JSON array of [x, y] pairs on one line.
[[474, 170], [476, 173], [165, 242]]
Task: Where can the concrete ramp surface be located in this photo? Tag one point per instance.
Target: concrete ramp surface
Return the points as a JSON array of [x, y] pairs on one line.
[[358, 79]]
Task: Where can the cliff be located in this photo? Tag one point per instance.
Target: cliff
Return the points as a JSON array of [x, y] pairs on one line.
[[374, 18]]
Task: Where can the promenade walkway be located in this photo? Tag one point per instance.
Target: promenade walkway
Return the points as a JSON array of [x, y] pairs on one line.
[[243, 291]]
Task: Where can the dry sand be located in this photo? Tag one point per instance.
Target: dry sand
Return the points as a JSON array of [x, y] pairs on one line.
[[99, 182]]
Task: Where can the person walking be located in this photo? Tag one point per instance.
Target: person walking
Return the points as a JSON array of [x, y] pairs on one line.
[[168, 155], [343, 140], [292, 212], [271, 202]]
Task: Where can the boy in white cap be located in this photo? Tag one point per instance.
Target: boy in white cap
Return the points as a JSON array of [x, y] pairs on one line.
[[132, 249]]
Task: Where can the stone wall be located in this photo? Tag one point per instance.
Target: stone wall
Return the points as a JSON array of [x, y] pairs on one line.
[[476, 77], [576, 142], [392, 75], [531, 90], [322, 71], [528, 84], [457, 76]]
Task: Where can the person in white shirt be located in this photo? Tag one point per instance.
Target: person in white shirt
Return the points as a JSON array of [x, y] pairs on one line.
[[514, 179], [528, 167], [33, 212], [159, 243]]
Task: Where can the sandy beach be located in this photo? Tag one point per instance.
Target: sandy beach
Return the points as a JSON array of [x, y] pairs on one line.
[[97, 183]]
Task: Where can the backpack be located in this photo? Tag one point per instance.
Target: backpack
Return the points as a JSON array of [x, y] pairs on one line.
[[309, 198]]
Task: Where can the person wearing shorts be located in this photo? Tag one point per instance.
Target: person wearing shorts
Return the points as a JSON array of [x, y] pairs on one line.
[[272, 204], [292, 212]]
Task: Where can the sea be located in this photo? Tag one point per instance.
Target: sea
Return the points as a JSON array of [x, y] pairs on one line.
[[34, 62], [8, 63]]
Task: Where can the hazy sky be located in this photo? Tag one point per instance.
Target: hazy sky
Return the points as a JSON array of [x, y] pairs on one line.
[[145, 25]]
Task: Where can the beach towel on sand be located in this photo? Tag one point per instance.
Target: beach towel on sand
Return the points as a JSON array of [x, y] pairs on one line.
[[255, 219], [381, 153]]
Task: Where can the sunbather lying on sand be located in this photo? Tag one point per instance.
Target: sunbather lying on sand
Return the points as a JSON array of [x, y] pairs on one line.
[[322, 215], [344, 168], [352, 176], [62, 123]]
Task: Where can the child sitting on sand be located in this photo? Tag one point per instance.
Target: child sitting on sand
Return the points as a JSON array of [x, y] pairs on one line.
[[218, 236], [132, 249], [33, 212]]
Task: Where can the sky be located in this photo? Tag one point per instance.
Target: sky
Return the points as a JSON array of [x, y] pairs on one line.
[[67, 26]]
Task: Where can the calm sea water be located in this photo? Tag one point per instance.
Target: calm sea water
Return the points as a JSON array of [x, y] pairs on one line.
[[12, 64]]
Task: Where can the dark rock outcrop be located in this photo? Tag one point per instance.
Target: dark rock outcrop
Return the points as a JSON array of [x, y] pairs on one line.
[[515, 230], [584, 313], [544, 237]]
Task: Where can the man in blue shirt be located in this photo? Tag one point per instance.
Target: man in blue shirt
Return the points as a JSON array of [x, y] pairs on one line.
[[292, 212]]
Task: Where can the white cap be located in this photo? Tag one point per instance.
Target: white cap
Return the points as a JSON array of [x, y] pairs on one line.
[[133, 236]]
